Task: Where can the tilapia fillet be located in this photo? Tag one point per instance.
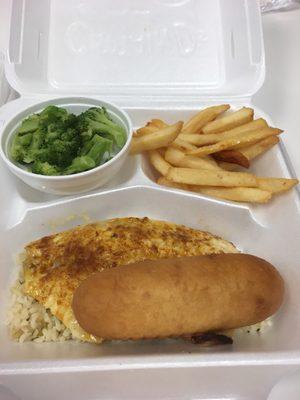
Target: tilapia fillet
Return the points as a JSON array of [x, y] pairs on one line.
[[54, 266]]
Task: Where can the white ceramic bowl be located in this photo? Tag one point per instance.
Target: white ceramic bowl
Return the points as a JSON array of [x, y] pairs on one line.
[[69, 184]]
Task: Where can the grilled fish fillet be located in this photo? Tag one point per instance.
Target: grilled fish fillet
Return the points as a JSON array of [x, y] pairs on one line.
[[54, 266]]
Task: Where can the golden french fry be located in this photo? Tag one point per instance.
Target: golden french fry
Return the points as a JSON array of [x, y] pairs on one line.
[[160, 138], [182, 144], [165, 182], [194, 139], [260, 147], [174, 156], [227, 166], [242, 194], [202, 140], [195, 124], [159, 123], [162, 151], [232, 156], [241, 139], [192, 176], [145, 130], [276, 185], [158, 162], [230, 121], [178, 158]]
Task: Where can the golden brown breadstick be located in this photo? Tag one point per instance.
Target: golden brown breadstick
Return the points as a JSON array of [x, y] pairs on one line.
[[179, 296]]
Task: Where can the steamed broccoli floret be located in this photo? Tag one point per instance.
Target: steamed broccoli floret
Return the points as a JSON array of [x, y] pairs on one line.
[[52, 114], [19, 146], [36, 143], [96, 139], [17, 151], [97, 120], [56, 142], [59, 153], [80, 164], [99, 147], [26, 139], [29, 124], [44, 168]]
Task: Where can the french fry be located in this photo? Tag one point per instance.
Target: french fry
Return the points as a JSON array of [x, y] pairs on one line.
[[230, 121], [276, 185], [158, 123], [260, 147], [145, 130], [162, 151], [242, 139], [195, 124], [202, 140], [192, 162], [160, 138], [227, 166], [158, 162], [242, 194], [203, 154], [165, 182], [232, 156], [195, 139], [244, 154], [151, 127], [182, 144], [178, 158], [174, 156], [192, 176]]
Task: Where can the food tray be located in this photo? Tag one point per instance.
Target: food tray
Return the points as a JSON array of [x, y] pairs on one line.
[[151, 369]]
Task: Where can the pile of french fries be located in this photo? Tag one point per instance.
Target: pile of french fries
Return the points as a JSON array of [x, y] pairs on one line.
[[203, 154]]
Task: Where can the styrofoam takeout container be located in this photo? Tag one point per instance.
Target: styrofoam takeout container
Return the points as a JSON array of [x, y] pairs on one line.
[[68, 184], [164, 59]]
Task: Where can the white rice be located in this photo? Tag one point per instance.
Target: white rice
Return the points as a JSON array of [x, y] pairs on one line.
[[256, 329], [28, 320]]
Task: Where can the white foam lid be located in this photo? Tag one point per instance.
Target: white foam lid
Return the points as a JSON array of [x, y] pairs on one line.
[[137, 51]]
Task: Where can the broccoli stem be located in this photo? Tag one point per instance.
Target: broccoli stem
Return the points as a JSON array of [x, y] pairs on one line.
[[30, 124], [118, 137], [80, 164], [97, 151]]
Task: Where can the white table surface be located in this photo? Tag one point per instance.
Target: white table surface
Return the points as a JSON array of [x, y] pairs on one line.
[[279, 97]]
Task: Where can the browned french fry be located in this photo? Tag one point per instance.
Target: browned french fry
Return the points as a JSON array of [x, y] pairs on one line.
[[145, 130], [232, 156], [165, 182], [227, 166], [182, 144], [158, 162], [162, 151], [159, 123], [160, 138], [241, 194], [192, 176], [178, 158], [242, 139], [276, 185], [229, 121], [195, 124], [202, 140], [245, 154], [260, 147]]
